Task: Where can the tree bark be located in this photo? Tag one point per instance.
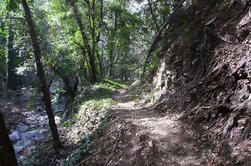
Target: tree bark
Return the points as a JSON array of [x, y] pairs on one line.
[[94, 38], [85, 40], [84, 59], [7, 153], [41, 75], [100, 59], [111, 63], [11, 79], [71, 83], [153, 16], [3, 63], [111, 56]]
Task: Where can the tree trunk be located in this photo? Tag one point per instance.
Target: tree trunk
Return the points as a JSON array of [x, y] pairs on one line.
[[41, 75], [3, 64], [84, 60], [111, 64], [153, 16], [7, 153], [111, 56], [85, 40], [94, 38], [100, 64], [126, 75], [71, 83], [100, 57], [11, 79]]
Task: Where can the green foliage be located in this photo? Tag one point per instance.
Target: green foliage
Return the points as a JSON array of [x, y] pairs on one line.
[[77, 156], [137, 92], [58, 91], [12, 5], [66, 123], [31, 102], [74, 118], [118, 84], [93, 113]]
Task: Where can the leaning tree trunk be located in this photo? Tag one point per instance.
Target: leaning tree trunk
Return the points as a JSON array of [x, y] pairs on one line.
[[7, 153], [85, 40], [41, 75], [153, 16]]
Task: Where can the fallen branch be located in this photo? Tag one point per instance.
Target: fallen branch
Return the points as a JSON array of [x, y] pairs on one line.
[[59, 162], [52, 160], [114, 148], [92, 156], [209, 127]]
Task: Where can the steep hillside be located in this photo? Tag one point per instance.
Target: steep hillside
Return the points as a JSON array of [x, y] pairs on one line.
[[204, 74]]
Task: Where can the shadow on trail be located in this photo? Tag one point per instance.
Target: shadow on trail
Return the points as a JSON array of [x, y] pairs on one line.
[[140, 136], [152, 138], [162, 141]]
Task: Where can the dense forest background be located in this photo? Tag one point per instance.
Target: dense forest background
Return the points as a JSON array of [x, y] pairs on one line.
[[92, 39], [65, 65]]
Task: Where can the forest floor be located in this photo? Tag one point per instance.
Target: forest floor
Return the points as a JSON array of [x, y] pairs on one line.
[[137, 135]]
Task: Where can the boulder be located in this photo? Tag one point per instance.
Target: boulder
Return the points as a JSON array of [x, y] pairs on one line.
[[44, 131], [58, 111], [14, 136], [21, 127], [18, 149], [29, 135], [35, 134], [20, 145], [20, 158]]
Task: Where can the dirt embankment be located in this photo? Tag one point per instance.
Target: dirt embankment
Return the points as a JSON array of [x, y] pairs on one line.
[[211, 59]]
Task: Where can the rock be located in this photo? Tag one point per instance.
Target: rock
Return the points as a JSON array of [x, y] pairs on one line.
[[249, 107], [151, 143], [228, 125], [33, 125], [35, 134], [44, 131], [22, 143], [240, 106], [14, 136], [57, 119], [20, 158], [58, 111], [18, 149], [240, 159], [195, 61], [249, 88], [21, 127], [29, 135], [39, 109]]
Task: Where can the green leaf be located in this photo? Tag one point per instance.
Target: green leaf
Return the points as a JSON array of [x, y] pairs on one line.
[[12, 5]]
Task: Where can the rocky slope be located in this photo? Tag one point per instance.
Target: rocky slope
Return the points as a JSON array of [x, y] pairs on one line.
[[26, 120], [203, 72]]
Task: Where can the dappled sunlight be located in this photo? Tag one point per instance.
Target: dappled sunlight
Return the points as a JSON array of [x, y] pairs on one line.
[[125, 82], [151, 136]]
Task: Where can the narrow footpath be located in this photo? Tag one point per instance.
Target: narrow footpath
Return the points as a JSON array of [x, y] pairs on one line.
[[138, 136]]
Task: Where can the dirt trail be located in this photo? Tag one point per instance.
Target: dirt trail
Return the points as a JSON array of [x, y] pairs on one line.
[[139, 136]]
